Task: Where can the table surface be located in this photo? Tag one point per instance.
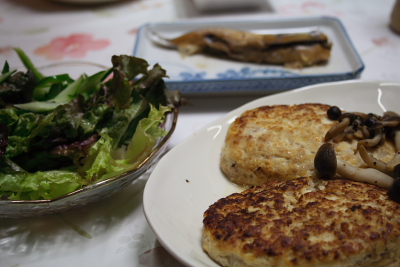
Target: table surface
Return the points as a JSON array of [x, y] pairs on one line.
[[114, 231]]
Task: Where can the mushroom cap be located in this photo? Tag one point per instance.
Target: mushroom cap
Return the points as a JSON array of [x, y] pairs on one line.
[[334, 113], [325, 161]]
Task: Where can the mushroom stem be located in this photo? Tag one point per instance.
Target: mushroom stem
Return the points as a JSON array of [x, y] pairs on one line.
[[390, 113], [388, 123], [337, 129], [391, 164], [371, 161], [347, 133], [396, 134], [368, 175], [359, 134], [396, 160], [373, 141], [365, 132], [360, 114], [383, 139]]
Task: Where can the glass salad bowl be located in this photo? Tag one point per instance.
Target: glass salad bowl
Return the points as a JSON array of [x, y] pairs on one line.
[[96, 191]]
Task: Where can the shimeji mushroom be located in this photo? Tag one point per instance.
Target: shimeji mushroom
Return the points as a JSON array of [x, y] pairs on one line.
[[371, 161], [328, 165], [394, 189], [337, 129], [373, 141], [371, 130], [396, 160]]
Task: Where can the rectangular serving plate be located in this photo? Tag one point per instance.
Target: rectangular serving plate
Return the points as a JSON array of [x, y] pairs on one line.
[[203, 74]]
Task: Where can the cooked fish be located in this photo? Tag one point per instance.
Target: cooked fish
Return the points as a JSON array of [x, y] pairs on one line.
[[304, 222], [292, 50]]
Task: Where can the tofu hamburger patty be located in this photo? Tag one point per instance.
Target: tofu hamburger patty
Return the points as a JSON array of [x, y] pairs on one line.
[[304, 222], [279, 142]]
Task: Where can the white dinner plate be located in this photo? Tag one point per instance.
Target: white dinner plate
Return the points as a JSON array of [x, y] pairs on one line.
[[188, 179]]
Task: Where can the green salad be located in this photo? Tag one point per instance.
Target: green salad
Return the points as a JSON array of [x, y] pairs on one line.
[[59, 134]]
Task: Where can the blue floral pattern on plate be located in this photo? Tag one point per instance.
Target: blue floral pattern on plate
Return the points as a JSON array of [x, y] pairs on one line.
[[244, 73], [187, 76], [247, 72]]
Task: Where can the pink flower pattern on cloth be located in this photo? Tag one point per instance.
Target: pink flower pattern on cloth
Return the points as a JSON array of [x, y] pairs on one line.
[[74, 46]]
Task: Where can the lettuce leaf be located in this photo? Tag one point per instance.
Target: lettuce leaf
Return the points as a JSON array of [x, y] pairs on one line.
[[126, 68], [120, 120], [146, 135], [28, 63], [39, 185], [102, 162], [18, 88], [17, 184]]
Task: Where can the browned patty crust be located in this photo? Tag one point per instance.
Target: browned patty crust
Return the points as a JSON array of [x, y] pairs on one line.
[[304, 222]]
